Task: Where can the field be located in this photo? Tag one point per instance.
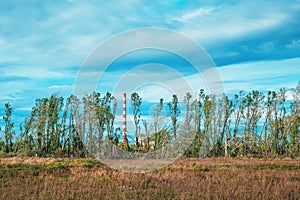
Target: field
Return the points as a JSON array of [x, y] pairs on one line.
[[209, 178]]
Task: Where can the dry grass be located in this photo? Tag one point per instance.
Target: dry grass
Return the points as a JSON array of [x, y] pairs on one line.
[[220, 178]]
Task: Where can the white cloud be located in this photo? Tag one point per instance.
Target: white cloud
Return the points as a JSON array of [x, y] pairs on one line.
[[61, 87], [8, 97], [214, 31], [35, 72], [58, 86], [12, 90], [151, 81], [197, 13], [212, 25], [263, 76]]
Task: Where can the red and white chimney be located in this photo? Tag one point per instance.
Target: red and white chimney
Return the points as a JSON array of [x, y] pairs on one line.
[[124, 130]]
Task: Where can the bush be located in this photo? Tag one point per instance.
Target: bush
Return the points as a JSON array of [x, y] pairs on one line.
[[7, 155], [1, 145], [23, 152]]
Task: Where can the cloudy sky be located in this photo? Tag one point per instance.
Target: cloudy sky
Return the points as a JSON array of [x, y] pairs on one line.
[[254, 44]]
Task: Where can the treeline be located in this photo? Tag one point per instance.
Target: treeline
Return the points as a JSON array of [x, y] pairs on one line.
[[245, 124], [58, 127]]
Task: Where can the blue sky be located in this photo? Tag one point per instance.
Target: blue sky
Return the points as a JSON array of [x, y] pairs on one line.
[[254, 44]]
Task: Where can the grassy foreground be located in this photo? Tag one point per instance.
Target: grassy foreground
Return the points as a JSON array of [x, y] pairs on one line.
[[209, 178]]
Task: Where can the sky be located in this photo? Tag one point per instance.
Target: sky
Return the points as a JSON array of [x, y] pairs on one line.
[[254, 45]]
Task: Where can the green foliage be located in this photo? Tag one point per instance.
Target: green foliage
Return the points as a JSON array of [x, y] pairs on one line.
[[246, 124], [8, 129], [174, 113], [1, 145], [136, 102]]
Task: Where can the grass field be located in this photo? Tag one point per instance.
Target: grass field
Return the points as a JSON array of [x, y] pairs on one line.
[[209, 178]]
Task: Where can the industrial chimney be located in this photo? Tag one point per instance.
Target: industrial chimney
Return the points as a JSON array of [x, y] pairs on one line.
[[124, 130]]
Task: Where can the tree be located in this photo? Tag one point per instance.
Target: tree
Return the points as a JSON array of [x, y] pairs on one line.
[[244, 124], [53, 130], [197, 108], [198, 111], [188, 109], [71, 143], [265, 129], [225, 131], [207, 118], [8, 130], [295, 122], [156, 113], [136, 102], [40, 112], [174, 113], [253, 112], [1, 144], [145, 124], [28, 133], [109, 106]]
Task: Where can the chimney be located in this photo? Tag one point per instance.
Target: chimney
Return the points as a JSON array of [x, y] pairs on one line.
[[124, 130]]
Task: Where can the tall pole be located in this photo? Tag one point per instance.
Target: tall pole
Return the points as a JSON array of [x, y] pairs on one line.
[[124, 122]]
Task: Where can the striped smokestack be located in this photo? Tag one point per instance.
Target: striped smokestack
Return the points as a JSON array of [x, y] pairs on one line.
[[124, 130]]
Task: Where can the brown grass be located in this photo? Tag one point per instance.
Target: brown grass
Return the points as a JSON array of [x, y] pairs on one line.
[[220, 178]]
